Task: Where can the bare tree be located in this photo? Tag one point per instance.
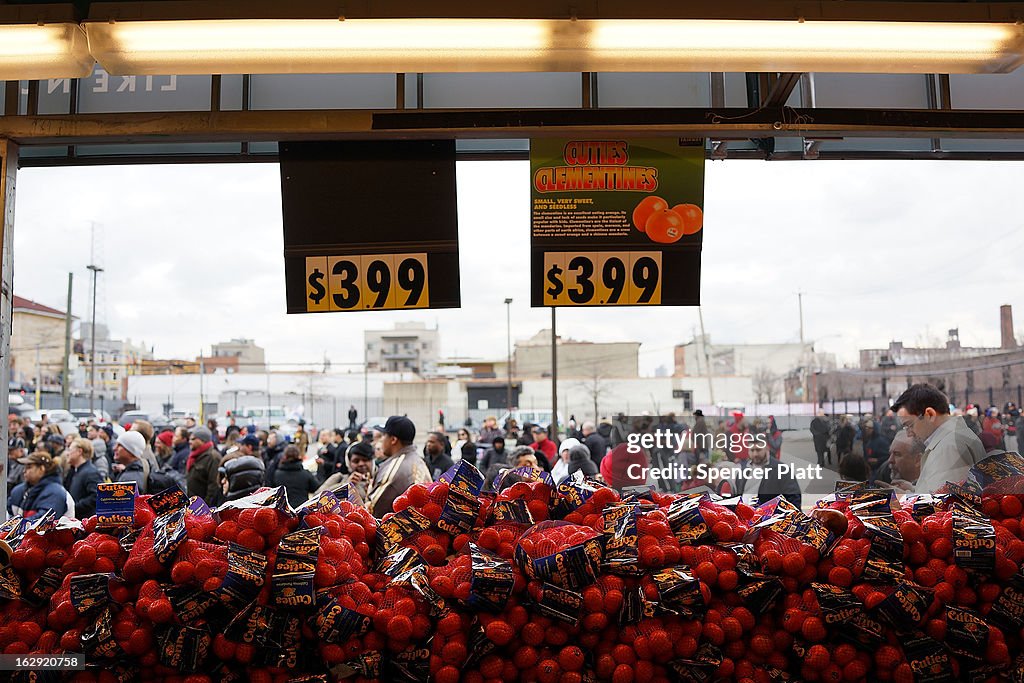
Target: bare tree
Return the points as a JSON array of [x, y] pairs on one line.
[[595, 388], [766, 385]]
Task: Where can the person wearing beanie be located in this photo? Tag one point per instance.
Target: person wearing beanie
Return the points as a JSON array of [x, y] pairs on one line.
[[164, 448], [201, 470], [128, 460], [297, 481]]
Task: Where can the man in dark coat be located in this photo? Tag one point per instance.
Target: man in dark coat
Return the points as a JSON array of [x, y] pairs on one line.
[[595, 443], [297, 480], [82, 477], [202, 466], [819, 432], [438, 462]]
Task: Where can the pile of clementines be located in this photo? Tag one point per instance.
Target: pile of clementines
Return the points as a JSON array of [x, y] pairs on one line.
[[537, 582]]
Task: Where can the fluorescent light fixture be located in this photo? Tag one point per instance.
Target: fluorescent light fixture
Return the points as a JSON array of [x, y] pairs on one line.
[[397, 45], [319, 46], [39, 51]]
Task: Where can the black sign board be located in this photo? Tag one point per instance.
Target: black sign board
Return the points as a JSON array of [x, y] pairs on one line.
[[370, 225]]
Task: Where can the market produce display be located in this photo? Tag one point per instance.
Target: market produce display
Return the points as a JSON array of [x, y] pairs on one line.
[[536, 583]]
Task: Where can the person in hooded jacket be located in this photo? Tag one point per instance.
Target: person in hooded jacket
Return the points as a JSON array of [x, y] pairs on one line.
[[297, 480], [580, 460], [241, 476], [181, 449], [41, 490]]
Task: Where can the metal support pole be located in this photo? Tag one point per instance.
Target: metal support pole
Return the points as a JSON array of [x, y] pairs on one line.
[[202, 371], [553, 432], [65, 383], [96, 270], [707, 358], [8, 176], [508, 356]]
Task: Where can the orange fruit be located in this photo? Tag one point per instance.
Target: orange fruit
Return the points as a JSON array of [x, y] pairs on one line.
[[692, 215], [665, 226], [645, 209]]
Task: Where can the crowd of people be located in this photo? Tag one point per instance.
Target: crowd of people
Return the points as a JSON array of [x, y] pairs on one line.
[[918, 444]]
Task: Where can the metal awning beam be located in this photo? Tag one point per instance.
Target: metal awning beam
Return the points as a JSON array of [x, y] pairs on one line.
[[722, 123], [781, 89]]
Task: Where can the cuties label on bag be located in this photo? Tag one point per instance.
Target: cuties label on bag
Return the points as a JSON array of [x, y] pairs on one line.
[[336, 623], [115, 504], [458, 516], [491, 584], [759, 595], [400, 527], [1008, 610], [701, 667], [367, 665], [621, 550], [185, 648], [905, 607], [572, 493], [679, 592], [974, 542], [245, 577], [399, 561], [511, 511], [327, 502], [928, 660], [294, 572], [966, 633], [90, 591], [560, 603], [167, 501], [169, 533], [190, 603], [688, 523], [842, 608], [873, 507], [43, 588], [575, 567], [410, 666], [98, 640]]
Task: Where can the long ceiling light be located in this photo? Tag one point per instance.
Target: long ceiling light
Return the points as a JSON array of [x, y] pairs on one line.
[[39, 51], [389, 45]]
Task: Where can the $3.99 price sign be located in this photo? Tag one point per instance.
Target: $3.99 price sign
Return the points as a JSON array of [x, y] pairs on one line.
[[366, 282], [602, 278]]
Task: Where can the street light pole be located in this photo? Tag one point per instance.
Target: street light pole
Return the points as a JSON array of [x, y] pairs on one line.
[[508, 358], [96, 270]]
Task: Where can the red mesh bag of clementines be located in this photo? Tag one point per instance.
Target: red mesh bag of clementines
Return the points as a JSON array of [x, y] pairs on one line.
[[578, 550]]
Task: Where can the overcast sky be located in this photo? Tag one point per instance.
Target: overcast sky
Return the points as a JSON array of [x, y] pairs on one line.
[[192, 255]]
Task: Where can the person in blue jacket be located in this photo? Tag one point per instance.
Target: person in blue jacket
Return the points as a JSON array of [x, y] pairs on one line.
[[42, 489]]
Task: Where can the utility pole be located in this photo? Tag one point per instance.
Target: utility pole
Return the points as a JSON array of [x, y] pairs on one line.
[[707, 356], [554, 379], [39, 377], [202, 371], [805, 361], [65, 384], [508, 357], [96, 270]]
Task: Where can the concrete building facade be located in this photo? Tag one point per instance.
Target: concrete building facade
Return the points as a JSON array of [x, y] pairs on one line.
[[576, 359], [37, 344], [409, 347]]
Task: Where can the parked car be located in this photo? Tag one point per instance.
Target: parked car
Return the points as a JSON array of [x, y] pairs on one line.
[[156, 419], [86, 414], [264, 417], [65, 421]]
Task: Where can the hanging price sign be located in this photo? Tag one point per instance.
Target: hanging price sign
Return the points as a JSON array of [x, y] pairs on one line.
[[366, 282], [349, 245], [616, 222], [602, 278]]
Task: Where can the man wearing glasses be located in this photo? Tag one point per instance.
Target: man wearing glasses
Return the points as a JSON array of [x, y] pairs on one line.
[[951, 448]]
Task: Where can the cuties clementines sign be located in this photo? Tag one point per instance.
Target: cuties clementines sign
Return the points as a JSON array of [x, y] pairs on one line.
[[616, 222]]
